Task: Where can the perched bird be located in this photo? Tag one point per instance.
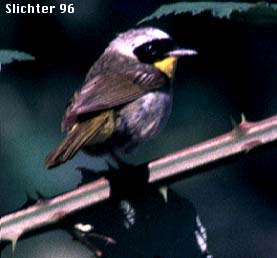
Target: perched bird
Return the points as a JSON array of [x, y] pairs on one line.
[[126, 97]]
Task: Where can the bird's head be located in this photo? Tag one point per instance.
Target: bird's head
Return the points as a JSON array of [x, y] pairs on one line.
[[151, 46]]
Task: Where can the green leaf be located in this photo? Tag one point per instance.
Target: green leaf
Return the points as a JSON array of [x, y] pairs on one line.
[[9, 56], [256, 13]]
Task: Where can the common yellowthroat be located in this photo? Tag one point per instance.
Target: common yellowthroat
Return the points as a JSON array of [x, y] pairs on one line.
[[126, 97]]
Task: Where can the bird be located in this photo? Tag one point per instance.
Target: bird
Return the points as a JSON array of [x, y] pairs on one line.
[[126, 97]]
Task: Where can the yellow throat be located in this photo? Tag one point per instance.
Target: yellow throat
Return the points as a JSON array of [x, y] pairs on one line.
[[167, 66]]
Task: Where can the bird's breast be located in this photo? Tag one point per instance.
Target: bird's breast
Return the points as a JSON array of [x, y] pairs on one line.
[[144, 117]]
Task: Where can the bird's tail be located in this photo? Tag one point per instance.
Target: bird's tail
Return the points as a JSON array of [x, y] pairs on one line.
[[92, 131]]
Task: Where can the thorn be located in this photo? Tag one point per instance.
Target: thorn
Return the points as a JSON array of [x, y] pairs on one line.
[[40, 196], [163, 191], [234, 123], [243, 118], [241, 128], [30, 201], [14, 242]]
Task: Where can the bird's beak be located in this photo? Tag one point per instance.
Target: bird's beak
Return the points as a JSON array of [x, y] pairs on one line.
[[179, 52]]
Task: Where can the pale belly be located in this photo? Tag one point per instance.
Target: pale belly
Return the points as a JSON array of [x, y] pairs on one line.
[[143, 118]]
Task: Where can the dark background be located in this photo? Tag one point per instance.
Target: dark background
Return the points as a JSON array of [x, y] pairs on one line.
[[235, 72]]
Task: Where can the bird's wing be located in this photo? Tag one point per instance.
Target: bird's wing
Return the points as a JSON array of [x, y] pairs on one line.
[[92, 131], [105, 91]]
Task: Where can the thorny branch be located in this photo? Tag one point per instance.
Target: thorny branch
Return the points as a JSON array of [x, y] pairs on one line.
[[242, 138]]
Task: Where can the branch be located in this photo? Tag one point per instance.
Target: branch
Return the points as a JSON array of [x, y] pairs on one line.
[[242, 138]]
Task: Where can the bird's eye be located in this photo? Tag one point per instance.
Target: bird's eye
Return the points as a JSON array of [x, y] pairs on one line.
[[150, 49], [153, 51]]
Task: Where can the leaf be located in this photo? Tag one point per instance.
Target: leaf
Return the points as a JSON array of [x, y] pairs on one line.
[[9, 56], [256, 13]]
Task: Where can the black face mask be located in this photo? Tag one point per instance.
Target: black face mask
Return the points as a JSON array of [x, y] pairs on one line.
[[155, 50]]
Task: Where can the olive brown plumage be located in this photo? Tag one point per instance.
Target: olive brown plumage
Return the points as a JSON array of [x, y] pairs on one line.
[[126, 97]]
